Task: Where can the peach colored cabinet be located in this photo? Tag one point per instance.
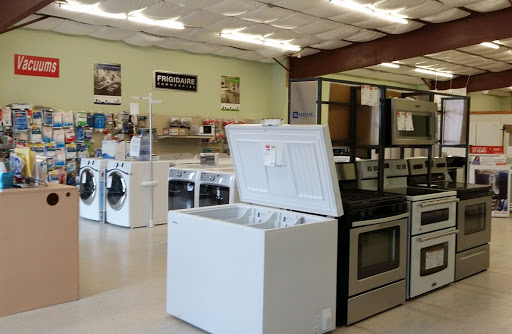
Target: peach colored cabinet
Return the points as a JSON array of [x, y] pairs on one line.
[[38, 247]]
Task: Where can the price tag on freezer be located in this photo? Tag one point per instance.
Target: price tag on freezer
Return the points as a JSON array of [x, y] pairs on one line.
[[409, 126], [400, 121], [109, 181], [434, 259], [270, 155]]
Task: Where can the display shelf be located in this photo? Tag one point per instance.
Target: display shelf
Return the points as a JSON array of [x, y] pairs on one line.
[[345, 104], [185, 137]]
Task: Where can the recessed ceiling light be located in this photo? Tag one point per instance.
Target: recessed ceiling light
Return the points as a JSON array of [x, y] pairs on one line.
[[490, 45], [436, 73], [392, 65], [370, 10]]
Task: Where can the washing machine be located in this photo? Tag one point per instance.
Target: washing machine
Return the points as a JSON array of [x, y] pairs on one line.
[[91, 188], [216, 187], [128, 190], [182, 184]]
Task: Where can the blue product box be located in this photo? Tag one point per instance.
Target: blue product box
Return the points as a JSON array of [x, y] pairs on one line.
[[6, 180]]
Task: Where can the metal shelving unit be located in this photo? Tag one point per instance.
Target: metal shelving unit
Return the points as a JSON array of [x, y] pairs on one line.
[[381, 147]]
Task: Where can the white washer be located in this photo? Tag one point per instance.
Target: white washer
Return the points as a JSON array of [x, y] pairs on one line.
[[182, 184], [128, 199], [91, 187], [216, 187]]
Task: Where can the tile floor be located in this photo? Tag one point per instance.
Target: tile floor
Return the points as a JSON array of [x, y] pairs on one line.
[[122, 290]]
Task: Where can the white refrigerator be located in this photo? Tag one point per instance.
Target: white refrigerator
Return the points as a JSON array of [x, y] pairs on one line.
[[267, 265]]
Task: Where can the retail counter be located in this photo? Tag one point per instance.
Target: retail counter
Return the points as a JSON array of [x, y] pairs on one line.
[[38, 247]]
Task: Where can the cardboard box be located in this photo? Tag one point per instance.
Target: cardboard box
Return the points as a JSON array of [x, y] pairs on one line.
[[183, 131], [113, 149], [165, 132], [174, 131]]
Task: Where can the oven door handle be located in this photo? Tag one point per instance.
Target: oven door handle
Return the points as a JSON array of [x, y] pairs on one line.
[[439, 202], [439, 235]]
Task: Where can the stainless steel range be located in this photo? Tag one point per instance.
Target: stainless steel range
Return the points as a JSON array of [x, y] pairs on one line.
[[473, 215], [372, 252], [432, 219]]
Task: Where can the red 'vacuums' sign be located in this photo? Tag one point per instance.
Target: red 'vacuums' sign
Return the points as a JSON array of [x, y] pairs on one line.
[[36, 66]]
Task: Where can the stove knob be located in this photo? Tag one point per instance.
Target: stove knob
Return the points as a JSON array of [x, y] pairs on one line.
[[362, 214], [178, 174], [212, 178]]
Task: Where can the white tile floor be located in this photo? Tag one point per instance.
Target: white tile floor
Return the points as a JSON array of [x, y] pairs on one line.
[[122, 290]]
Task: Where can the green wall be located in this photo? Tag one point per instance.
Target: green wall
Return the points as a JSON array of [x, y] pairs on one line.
[[77, 54], [483, 102]]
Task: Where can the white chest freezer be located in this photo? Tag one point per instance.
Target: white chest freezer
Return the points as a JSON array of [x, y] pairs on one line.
[[268, 267]]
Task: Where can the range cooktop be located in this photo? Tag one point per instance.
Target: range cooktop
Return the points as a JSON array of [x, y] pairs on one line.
[[423, 193], [366, 204]]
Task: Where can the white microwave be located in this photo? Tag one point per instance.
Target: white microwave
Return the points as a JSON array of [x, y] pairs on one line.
[[411, 122], [202, 130]]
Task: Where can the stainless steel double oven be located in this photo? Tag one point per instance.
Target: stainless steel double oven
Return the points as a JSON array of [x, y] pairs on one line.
[[473, 215]]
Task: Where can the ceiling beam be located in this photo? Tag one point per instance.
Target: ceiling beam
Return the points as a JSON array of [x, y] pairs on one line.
[[13, 11], [474, 29], [479, 82]]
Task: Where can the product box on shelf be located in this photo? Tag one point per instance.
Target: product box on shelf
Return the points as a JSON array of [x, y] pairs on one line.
[[183, 132]]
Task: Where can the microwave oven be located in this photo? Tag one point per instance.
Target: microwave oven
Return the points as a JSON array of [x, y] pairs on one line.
[[411, 122], [202, 130]]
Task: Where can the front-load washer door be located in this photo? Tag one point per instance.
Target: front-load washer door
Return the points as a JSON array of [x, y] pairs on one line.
[[116, 190], [88, 186]]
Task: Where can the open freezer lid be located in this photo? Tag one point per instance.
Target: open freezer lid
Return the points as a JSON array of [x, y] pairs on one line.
[[286, 166]]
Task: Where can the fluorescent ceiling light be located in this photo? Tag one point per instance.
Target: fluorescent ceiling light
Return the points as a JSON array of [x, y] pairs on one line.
[[133, 16], [90, 9], [436, 73], [370, 10], [258, 39], [392, 65], [161, 23], [490, 45]]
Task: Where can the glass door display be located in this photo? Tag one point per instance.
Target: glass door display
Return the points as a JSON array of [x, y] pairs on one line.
[[87, 187], [181, 195], [213, 195], [116, 190]]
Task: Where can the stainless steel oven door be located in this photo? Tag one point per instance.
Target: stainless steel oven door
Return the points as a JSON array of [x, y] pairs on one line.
[[378, 255], [431, 215], [474, 222], [432, 261]]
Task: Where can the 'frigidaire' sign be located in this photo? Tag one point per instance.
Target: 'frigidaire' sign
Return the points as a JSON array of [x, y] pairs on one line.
[[174, 81]]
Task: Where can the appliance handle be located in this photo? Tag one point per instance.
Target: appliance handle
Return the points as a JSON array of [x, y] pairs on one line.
[[380, 220], [439, 235], [475, 254], [439, 202]]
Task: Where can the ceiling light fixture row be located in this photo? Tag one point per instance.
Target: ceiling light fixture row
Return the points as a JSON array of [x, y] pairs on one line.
[[258, 39], [423, 70], [134, 16], [491, 45], [371, 10]]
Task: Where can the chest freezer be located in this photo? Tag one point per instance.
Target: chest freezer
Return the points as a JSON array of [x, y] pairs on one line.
[[268, 265]]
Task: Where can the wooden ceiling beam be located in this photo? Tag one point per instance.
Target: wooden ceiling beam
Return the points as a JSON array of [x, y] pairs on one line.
[[13, 11], [474, 29], [479, 82]]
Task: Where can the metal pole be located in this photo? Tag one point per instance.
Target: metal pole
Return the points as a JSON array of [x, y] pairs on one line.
[[151, 222]]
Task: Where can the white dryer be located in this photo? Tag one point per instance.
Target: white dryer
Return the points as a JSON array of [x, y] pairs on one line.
[[128, 198], [91, 187]]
